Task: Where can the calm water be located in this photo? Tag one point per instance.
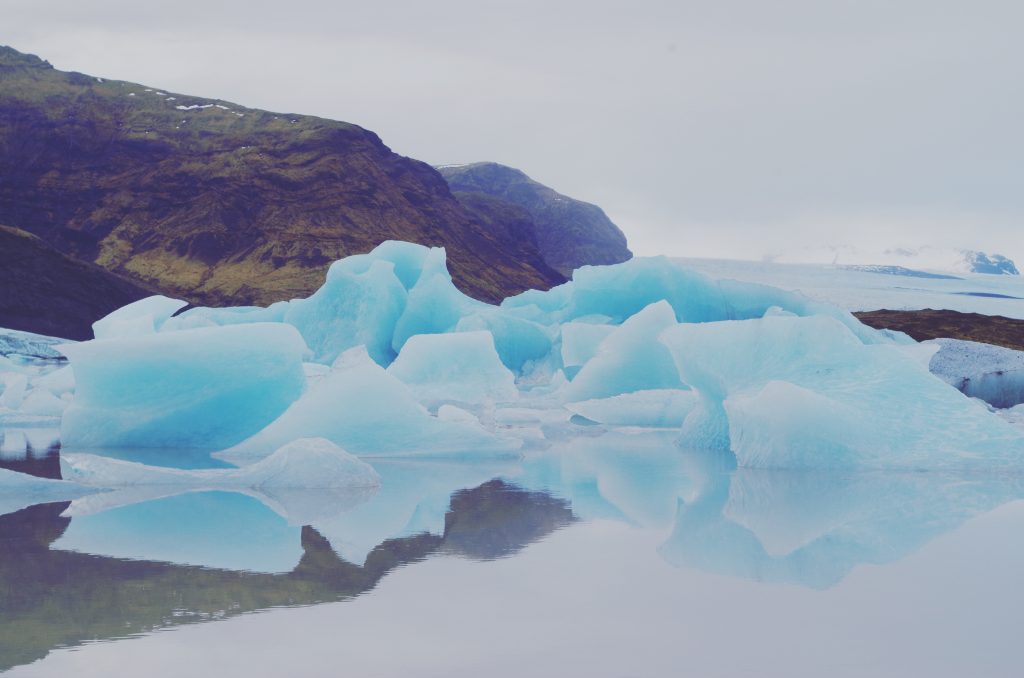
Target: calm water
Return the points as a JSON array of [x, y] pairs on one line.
[[617, 555]]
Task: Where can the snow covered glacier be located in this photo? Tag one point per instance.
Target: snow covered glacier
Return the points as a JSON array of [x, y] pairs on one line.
[[389, 358]]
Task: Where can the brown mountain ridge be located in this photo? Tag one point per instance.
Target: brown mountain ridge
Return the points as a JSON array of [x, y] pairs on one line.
[[221, 204]]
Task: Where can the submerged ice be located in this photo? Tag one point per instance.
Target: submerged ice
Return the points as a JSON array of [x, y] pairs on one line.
[[389, 358]]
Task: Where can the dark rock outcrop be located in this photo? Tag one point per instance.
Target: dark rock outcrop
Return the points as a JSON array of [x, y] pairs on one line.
[[570, 233], [221, 204], [43, 291]]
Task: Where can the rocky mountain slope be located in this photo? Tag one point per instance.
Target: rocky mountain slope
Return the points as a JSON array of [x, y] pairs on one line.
[[221, 204], [46, 292], [570, 233]]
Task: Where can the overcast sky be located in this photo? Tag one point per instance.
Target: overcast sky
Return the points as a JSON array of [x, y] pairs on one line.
[[716, 128]]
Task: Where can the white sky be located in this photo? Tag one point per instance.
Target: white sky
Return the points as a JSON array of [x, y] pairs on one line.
[[716, 128]]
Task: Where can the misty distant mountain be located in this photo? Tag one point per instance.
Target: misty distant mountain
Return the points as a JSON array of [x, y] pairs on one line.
[[570, 233], [920, 259]]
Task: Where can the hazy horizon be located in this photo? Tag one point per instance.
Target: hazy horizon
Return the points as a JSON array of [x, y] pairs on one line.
[[727, 129]]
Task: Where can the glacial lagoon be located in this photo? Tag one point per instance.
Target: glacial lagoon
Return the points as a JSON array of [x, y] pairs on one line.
[[612, 555]]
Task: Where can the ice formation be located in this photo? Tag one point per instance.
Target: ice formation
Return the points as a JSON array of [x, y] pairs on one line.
[[367, 411], [771, 376], [630, 359], [207, 388], [461, 367], [792, 392], [992, 373], [141, 317]]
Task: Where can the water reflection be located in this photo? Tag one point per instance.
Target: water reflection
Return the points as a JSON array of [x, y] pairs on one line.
[[51, 597], [136, 559]]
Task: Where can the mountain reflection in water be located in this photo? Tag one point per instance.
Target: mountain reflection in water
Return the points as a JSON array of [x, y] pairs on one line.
[[51, 598], [127, 562]]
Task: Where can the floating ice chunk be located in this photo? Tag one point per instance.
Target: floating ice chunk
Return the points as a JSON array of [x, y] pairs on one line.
[[352, 308], [519, 342], [786, 392], [787, 426], [993, 373], [203, 388], [306, 463], [434, 304], [630, 359], [362, 408], [141, 317], [459, 367], [656, 408], [622, 290]]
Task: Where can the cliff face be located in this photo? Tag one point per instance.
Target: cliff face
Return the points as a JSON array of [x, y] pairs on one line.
[[221, 204], [570, 233], [43, 291]]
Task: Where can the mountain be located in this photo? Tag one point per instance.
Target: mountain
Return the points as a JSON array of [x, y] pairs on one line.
[[221, 204], [927, 258], [44, 291], [570, 233], [979, 262]]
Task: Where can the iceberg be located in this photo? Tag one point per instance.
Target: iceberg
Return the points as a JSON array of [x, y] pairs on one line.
[[805, 392], [992, 373], [460, 367], [368, 411], [138, 318], [204, 388], [353, 308], [630, 359]]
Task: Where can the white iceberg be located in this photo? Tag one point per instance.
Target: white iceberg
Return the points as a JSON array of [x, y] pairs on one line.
[[138, 318], [791, 392], [630, 359], [204, 388], [993, 373], [460, 367], [362, 408]]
